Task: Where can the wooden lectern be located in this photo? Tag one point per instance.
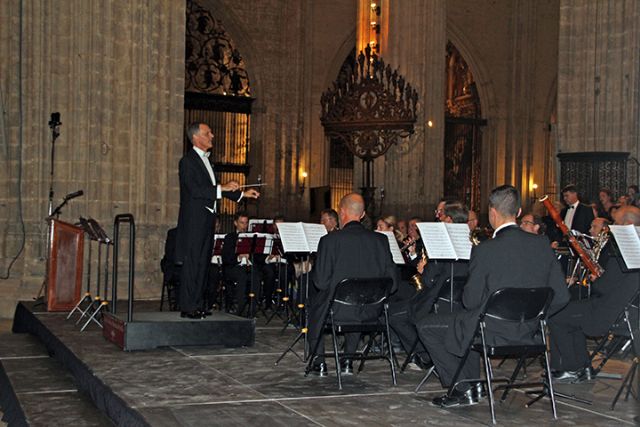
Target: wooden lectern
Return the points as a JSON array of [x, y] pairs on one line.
[[64, 272]]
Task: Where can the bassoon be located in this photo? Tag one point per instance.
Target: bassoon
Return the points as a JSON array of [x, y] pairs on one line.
[[594, 268]]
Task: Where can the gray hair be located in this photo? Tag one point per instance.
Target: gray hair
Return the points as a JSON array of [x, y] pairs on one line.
[[505, 199]]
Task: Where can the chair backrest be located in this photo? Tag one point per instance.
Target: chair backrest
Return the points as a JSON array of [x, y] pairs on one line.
[[363, 292], [520, 305]]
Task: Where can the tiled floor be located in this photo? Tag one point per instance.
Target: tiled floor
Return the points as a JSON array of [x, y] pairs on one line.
[[204, 386]]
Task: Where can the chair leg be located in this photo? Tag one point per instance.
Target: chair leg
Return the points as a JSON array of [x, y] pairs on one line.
[[626, 383], [164, 285], [335, 354], [513, 376], [424, 379], [488, 373], [552, 396], [390, 347]]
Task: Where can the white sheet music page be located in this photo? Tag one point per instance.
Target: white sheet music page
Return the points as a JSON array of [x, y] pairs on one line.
[[314, 233], [393, 245], [293, 237], [459, 234], [436, 240], [628, 242]]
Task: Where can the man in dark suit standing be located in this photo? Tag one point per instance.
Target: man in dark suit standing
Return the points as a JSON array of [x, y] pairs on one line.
[[352, 252], [198, 195], [592, 317], [576, 215], [513, 258]]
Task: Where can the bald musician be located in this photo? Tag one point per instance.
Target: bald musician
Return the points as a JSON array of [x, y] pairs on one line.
[[592, 317], [352, 252]]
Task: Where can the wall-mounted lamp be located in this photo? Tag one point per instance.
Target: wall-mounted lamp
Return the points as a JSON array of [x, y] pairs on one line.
[[534, 187], [303, 186]]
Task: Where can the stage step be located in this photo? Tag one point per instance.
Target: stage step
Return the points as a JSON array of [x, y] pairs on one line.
[[37, 390]]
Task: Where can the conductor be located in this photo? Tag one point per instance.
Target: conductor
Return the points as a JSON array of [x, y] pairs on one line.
[[199, 194]]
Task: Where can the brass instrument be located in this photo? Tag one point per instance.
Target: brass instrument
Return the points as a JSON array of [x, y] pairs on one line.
[[416, 279], [600, 242], [474, 236], [587, 258], [409, 243]]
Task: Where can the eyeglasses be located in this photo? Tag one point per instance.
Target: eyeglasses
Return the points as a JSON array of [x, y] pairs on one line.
[[527, 223]]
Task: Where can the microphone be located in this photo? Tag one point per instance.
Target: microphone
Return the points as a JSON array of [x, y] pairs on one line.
[[382, 192], [74, 195], [259, 178], [55, 120]]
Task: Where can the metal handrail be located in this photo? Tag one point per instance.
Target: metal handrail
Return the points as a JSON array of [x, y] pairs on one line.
[[119, 219]]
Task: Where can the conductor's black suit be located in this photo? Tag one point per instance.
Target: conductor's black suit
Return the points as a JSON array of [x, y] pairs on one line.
[[196, 219], [352, 252], [513, 258]]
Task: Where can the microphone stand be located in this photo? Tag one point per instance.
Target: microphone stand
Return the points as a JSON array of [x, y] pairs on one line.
[[54, 125]]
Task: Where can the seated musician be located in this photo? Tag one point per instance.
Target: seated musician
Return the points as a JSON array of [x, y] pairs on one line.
[[532, 224], [404, 314], [352, 252], [274, 268], [592, 317], [513, 258], [237, 267]]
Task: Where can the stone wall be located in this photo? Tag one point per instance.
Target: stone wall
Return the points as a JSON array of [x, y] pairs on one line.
[[599, 77], [114, 69]]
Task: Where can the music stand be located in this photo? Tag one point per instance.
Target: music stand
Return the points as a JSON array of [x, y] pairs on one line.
[[252, 244], [216, 259]]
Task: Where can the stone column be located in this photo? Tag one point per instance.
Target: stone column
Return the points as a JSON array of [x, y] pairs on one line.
[[114, 69], [599, 77]]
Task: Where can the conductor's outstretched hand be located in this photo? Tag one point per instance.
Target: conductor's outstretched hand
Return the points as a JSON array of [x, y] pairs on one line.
[[251, 193]]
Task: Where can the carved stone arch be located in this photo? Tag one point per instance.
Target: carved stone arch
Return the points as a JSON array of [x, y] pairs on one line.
[[484, 84], [243, 43], [347, 46], [488, 105]]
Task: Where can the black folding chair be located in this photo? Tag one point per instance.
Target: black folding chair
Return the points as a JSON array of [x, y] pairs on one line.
[[170, 273], [621, 336], [367, 296], [508, 307]]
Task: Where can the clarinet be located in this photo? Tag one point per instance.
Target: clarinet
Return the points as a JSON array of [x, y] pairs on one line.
[[592, 265]]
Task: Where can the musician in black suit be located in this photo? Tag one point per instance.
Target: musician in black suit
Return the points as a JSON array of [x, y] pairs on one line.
[[576, 215], [352, 252], [592, 317], [404, 314], [198, 195], [513, 258]]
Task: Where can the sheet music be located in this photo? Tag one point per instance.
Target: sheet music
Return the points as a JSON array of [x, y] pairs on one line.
[[628, 242], [436, 240], [314, 232], [293, 237], [393, 245], [459, 234]]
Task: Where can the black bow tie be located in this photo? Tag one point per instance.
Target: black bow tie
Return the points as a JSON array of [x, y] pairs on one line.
[[571, 207]]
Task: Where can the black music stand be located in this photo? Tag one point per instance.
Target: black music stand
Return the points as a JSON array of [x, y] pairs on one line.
[[218, 243], [284, 301], [303, 322], [252, 245]]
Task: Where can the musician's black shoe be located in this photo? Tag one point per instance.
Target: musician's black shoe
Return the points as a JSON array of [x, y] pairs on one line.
[[457, 398], [319, 369], [191, 314], [346, 367], [566, 377], [205, 313]]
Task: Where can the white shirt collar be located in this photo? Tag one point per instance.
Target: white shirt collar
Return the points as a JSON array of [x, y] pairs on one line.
[[575, 205], [201, 153], [505, 225]]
